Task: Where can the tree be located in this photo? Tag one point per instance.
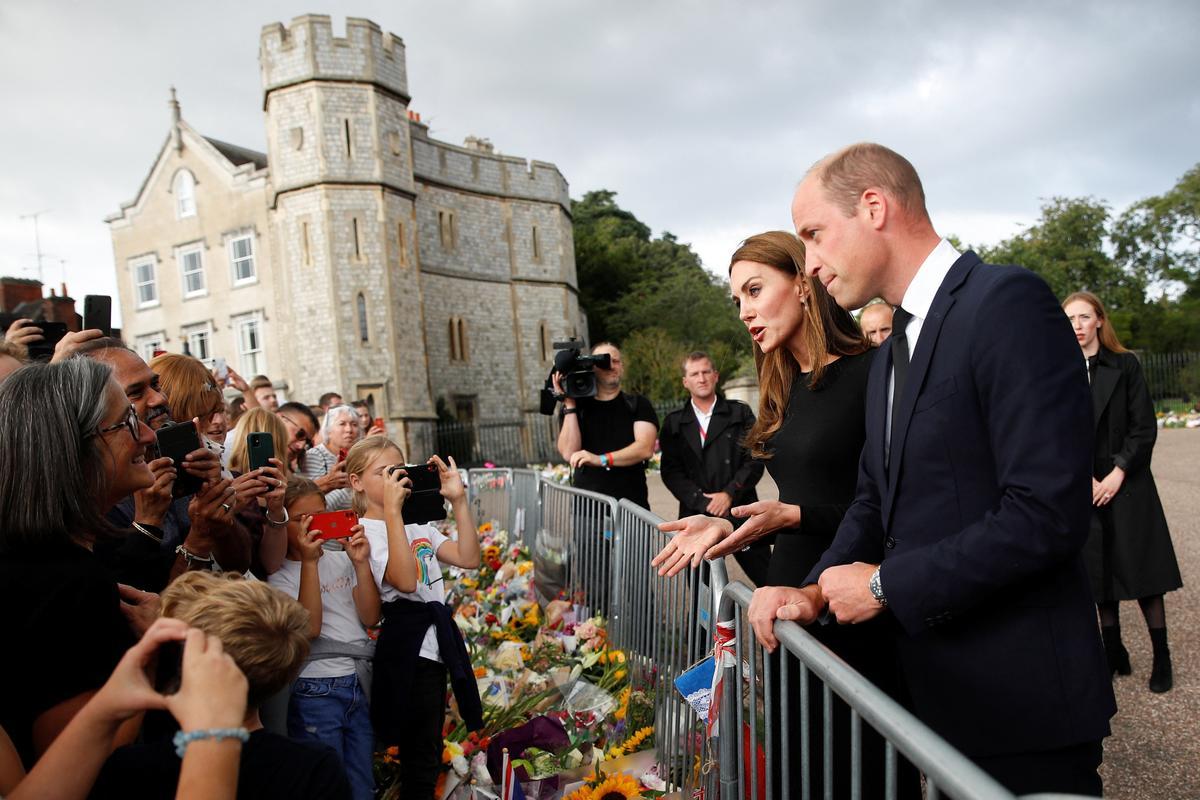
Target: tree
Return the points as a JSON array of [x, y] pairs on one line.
[[651, 295], [1069, 247], [1159, 237]]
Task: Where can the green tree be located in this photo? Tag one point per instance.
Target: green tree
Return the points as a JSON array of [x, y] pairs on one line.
[[1069, 247], [1159, 237]]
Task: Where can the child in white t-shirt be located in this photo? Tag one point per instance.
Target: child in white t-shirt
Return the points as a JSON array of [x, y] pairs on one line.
[[419, 645], [330, 700]]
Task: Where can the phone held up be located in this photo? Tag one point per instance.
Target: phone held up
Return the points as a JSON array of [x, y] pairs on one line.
[[333, 524], [260, 448], [426, 503], [175, 441]]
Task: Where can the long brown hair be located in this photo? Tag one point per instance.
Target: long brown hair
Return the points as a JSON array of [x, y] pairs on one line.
[[1106, 334], [827, 329], [189, 387]]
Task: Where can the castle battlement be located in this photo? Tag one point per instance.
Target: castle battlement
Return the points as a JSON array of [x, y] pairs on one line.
[[485, 172], [308, 50]]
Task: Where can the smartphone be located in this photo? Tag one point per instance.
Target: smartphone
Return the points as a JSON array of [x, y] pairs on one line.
[[97, 313], [426, 503], [221, 370], [342, 455], [333, 524], [175, 441], [52, 334], [378, 424], [259, 448]]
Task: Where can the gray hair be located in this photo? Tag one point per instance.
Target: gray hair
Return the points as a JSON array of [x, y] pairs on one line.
[[336, 411], [52, 471]]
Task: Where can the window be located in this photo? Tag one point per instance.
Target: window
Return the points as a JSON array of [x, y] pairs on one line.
[[544, 339], [145, 282], [357, 238], [363, 330], [537, 249], [305, 247], [251, 358], [198, 341], [149, 344], [185, 195], [349, 146], [458, 339], [403, 244], [447, 230], [241, 256], [191, 261]]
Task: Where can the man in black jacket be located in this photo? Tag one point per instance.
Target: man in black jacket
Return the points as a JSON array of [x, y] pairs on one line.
[[703, 461]]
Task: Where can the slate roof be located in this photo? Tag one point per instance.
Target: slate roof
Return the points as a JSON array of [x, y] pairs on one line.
[[239, 155]]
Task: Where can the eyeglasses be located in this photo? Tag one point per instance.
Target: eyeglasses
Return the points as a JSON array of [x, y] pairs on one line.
[[129, 422]]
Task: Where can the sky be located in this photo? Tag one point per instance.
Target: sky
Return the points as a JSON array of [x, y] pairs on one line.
[[702, 116]]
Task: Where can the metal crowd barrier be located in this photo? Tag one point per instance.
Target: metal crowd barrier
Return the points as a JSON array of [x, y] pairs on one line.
[[573, 550], [525, 510], [753, 697], [664, 625], [490, 496]]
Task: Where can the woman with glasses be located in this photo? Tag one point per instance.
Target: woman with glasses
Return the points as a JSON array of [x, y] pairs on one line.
[[71, 446]]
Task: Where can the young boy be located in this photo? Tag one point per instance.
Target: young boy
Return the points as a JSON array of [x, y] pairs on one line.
[[266, 634], [329, 701]]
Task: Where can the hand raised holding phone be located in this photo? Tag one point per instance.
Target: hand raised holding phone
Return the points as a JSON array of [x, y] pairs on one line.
[[309, 541]]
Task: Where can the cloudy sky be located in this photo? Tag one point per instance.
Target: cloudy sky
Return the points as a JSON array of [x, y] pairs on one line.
[[701, 115]]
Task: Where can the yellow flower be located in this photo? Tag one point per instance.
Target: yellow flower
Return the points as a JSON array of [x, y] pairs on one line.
[[524, 567], [491, 552], [617, 787], [485, 527], [582, 793], [619, 674]]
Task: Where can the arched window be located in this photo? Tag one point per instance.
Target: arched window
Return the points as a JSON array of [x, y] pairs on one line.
[[363, 333], [185, 194]]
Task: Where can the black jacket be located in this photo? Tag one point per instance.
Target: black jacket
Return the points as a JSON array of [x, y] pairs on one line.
[[720, 464], [1129, 553]]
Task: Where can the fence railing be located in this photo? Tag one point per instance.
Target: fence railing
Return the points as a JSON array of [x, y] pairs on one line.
[[1172, 375], [597, 551]]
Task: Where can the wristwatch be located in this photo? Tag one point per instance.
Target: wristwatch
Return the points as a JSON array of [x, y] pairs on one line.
[[877, 588]]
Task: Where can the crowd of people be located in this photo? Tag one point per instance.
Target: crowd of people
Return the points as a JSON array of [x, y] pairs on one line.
[[964, 500], [199, 625]]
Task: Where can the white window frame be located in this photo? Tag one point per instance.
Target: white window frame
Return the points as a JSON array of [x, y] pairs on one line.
[[181, 254], [134, 266], [259, 365], [234, 259], [184, 190], [146, 344], [191, 334]]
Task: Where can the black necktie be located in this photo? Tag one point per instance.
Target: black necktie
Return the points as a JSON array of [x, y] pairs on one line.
[[899, 341]]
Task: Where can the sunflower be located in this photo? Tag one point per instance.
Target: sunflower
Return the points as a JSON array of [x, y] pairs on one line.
[[582, 793], [617, 787], [486, 527]]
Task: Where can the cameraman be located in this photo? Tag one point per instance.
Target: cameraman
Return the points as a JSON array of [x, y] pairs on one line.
[[607, 439]]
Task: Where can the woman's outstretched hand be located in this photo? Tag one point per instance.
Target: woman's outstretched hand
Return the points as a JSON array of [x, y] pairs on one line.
[[694, 536], [763, 517]]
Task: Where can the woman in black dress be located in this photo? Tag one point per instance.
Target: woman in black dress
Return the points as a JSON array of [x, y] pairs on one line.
[[812, 362], [1129, 553]]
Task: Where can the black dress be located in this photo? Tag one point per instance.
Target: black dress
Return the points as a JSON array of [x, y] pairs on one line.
[[815, 465], [1129, 553]]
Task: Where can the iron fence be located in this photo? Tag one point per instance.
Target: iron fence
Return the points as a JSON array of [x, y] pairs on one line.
[[1172, 376]]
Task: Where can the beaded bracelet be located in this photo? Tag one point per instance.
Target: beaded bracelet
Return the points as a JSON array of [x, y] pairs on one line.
[[182, 740]]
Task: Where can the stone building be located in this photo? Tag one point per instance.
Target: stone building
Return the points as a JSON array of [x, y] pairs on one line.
[[358, 254]]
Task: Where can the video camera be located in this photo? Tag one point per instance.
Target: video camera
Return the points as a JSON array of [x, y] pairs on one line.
[[578, 373]]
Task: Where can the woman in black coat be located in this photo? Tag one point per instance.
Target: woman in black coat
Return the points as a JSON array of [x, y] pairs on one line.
[[1129, 553]]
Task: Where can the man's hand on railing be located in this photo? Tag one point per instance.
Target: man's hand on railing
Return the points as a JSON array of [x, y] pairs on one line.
[[847, 589], [694, 536], [782, 602], [763, 517]]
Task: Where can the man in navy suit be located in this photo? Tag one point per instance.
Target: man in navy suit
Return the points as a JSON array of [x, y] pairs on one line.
[[974, 488]]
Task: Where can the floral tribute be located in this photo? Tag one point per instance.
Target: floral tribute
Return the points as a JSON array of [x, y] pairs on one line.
[[555, 693]]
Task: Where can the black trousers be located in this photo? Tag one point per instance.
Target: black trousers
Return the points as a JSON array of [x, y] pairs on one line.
[[1067, 770], [420, 744]]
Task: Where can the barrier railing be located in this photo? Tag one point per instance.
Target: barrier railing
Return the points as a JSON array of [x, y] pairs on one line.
[[664, 625], [525, 510], [573, 552], [491, 497], [757, 691]]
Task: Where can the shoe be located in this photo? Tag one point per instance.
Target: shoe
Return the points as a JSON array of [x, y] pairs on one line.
[[1114, 650], [1161, 677]]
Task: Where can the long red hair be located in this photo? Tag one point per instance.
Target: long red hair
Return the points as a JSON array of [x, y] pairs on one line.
[[1106, 334]]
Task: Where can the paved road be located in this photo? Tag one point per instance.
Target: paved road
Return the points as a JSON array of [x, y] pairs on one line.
[[1154, 751]]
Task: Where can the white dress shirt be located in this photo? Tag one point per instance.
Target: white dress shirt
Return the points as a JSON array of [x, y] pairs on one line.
[[917, 300], [703, 419]]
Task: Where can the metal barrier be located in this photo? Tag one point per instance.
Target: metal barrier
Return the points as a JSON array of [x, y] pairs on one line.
[[664, 625], [573, 550], [525, 509], [490, 496], [752, 693]]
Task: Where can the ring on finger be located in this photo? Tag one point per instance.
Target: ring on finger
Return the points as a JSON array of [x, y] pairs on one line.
[[226, 506]]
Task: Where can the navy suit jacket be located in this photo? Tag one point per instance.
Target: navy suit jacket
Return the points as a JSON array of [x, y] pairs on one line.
[[979, 518]]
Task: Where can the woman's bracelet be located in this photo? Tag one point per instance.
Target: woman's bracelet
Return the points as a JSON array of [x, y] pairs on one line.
[[283, 521], [182, 740]]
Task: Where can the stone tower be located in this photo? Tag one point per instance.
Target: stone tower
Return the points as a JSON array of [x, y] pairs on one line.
[[342, 200]]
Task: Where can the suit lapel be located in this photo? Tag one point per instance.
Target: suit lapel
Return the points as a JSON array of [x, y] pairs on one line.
[[931, 327], [689, 426], [1104, 381]]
